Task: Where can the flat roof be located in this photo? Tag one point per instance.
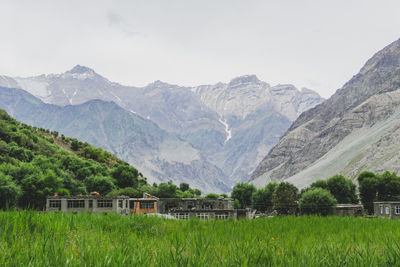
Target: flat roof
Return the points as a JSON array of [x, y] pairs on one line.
[[88, 197]]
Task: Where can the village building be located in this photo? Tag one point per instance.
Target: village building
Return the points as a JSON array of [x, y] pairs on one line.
[[90, 203], [387, 209], [179, 208], [202, 208], [349, 210]]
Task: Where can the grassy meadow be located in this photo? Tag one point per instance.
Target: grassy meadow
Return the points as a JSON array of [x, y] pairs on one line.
[[29, 238]]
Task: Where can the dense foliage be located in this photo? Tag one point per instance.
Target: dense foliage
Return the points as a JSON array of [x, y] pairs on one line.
[[378, 187], [317, 201], [243, 193], [57, 239]]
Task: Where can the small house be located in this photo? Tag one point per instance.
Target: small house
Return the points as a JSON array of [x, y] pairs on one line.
[[387, 209], [349, 210]]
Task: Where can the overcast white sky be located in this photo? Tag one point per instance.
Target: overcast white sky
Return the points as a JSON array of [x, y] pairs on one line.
[[316, 44]]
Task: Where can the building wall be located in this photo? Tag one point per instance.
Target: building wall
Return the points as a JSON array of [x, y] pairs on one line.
[[387, 209], [138, 210], [95, 209]]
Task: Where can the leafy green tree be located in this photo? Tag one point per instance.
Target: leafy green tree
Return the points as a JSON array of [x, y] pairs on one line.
[[317, 201], [343, 189], [243, 192], [320, 184], [36, 187], [101, 184], [368, 183], [261, 199], [167, 190], [184, 186], [9, 191], [388, 187], [285, 198], [125, 176]]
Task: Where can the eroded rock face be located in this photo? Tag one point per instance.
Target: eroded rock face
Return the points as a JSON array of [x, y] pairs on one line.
[[367, 99]]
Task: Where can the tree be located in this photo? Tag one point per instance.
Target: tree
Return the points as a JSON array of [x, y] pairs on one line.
[[285, 198], [388, 187], [368, 183], [317, 201], [125, 176], [36, 187], [184, 187], [262, 198], [343, 189], [320, 184], [9, 191], [243, 192], [101, 184], [167, 190]]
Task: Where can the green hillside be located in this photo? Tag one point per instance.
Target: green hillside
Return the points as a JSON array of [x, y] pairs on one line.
[[35, 163]]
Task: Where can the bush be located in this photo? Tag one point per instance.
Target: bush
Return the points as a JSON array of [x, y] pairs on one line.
[[317, 201], [128, 191], [212, 196]]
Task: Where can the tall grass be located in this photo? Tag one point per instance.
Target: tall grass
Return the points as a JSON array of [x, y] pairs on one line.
[[29, 238]]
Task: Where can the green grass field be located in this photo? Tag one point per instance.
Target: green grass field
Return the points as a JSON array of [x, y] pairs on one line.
[[29, 238]]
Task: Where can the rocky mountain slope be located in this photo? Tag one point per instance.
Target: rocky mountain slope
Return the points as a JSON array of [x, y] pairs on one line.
[[159, 155], [354, 130], [233, 125]]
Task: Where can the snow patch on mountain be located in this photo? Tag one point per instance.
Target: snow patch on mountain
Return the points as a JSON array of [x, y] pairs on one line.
[[227, 130]]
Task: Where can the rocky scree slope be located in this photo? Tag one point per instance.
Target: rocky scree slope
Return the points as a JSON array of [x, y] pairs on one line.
[[352, 131]]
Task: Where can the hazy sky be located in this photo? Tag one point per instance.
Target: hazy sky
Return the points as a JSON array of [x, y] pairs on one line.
[[316, 44]]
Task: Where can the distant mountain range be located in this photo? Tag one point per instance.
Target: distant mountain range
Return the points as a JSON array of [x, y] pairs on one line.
[[211, 136], [358, 128]]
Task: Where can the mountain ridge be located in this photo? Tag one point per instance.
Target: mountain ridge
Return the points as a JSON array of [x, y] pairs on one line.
[[319, 130]]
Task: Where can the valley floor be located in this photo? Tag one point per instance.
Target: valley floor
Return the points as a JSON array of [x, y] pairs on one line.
[[29, 238]]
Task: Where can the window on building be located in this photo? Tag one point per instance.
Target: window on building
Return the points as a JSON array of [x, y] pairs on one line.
[[104, 203], [76, 203], [55, 204], [397, 210], [147, 205], [207, 206], [203, 216], [90, 203], [387, 210], [120, 203], [182, 216], [381, 208], [221, 216]]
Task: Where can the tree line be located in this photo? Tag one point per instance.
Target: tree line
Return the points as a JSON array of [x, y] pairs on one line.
[[321, 196]]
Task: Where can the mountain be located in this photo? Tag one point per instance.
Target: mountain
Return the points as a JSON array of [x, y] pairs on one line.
[[356, 129], [232, 125], [159, 155]]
